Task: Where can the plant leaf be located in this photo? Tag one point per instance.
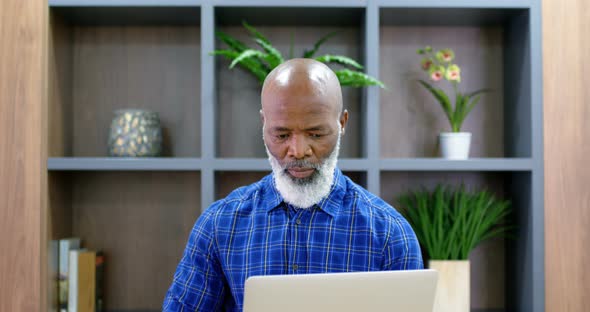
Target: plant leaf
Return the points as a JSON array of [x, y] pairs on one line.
[[458, 114], [472, 102], [251, 65], [255, 32], [442, 98], [478, 92], [273, 56], [328, 58], [233, 43], [414, 210], [245, 55], [255, 65], [318, 44], [451, 222], [352, 78]]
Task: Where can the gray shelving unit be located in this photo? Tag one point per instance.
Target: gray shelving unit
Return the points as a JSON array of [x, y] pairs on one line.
[[251, 164], [376, 31]]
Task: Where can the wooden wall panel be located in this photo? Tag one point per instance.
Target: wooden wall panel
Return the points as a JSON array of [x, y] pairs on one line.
[[22, 154], [566, 50]]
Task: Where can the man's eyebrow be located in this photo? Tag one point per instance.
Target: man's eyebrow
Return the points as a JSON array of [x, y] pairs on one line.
[[316, 128], [279, 129]]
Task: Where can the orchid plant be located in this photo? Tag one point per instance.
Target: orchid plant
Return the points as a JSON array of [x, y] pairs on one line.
[[440, 66]]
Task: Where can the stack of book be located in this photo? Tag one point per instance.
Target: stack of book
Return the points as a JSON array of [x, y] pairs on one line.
[[79, 277]]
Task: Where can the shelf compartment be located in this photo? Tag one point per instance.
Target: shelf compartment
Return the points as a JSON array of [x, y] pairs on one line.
[[358, 177], [488, 275], [493, 51], [97, 69], [228, 181], [239, 127], [497, 263], [141, 220]]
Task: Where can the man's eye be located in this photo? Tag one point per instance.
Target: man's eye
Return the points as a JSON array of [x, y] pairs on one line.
[[316, 135], [282, 136]]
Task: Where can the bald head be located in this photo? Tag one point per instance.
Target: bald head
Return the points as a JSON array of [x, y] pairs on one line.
[[302, 114], [303, 78]]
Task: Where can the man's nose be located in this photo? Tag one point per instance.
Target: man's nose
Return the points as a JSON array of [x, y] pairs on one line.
[[299, 147]]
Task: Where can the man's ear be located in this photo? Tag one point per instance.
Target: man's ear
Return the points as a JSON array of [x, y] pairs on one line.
[[343, 121], [262, 117]]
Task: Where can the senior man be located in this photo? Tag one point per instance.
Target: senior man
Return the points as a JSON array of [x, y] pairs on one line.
[[305, 217]]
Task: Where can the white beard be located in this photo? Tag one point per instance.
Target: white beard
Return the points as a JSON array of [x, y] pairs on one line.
[[304, 193]]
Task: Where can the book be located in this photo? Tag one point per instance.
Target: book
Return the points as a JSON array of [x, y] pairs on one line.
[[82, 281], [100, 262], [65, 245], [53, 256]]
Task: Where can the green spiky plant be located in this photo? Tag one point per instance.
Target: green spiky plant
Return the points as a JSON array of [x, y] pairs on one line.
[[450, 222], [261, 62], [439, 66]]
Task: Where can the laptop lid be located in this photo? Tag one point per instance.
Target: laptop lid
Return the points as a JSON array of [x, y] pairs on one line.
[[342, 292]]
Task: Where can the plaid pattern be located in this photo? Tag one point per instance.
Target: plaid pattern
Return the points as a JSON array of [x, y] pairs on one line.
[[253, 232]]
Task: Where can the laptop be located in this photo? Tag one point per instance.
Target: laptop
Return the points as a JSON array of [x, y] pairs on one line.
[[342, 292]]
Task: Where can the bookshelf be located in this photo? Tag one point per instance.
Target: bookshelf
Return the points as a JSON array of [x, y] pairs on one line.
[[105, 55]]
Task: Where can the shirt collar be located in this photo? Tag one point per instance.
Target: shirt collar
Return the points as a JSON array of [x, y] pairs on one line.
[[271, 198]]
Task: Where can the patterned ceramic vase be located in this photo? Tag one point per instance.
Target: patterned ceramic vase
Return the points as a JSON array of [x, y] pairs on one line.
[[135, 133]]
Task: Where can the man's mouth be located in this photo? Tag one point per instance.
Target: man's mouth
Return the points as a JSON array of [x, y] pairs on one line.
[[300, 172]]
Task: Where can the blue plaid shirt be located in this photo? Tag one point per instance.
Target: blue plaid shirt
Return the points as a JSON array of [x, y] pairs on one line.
[[253, 232]]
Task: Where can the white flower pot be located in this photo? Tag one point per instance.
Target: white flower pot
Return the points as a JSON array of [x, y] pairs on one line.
[[452, 289], [455, 145]]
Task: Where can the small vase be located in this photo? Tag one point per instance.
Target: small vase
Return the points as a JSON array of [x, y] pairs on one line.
[[452, 290], [135, 133], [455, 145]]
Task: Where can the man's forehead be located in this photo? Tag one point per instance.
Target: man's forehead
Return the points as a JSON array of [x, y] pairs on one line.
[[300, 102], [298, 89], [313, 77], [301, 105], [306, 127], [303, 85], [300, 71], [285, 125]]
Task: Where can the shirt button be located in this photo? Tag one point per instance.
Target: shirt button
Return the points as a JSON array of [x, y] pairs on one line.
[[295, 267], [298, 221]]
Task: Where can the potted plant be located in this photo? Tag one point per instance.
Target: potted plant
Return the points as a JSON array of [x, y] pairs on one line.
[[449, 223], [440, 67], [260, 62]]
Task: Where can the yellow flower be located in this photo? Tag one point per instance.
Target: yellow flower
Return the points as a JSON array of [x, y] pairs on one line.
[[445, 56], [453, 73], [426, 63], [437, 73]]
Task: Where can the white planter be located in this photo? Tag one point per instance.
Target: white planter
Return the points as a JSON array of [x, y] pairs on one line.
[[452, 289], [455, 145]]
